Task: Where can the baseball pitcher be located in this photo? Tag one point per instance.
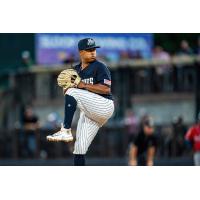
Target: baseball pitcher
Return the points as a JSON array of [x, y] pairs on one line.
[[87, 87]]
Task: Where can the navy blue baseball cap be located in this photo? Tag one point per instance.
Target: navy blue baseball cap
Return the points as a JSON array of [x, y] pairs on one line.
[[86, 44]]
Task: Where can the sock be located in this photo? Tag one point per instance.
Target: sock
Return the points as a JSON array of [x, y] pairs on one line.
[[70, 108], [79, 160]]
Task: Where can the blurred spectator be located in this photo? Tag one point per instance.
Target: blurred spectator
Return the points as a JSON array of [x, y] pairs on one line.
[[136, 55], [193, 139], [26, 59], [163, 81], [30, 124], [178, 141], [126, 55], [66, 58], [160, 54], [185, 49], [185, 73], [142, 149], [131, 124]]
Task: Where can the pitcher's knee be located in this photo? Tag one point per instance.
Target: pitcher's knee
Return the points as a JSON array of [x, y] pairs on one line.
[[72, 92]]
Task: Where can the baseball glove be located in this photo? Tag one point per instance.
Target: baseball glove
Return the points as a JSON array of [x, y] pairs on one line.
[[68, 78]]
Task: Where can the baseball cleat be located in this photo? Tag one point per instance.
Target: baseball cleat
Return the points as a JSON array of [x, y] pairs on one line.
[[64, 135]]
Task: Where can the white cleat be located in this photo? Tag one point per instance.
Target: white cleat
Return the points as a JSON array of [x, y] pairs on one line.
[[64, 135]]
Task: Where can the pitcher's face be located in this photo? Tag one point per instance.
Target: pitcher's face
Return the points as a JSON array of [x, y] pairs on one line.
[[88, 55]]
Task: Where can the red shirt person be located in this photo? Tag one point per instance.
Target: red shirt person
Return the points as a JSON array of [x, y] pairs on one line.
[[193, 136]]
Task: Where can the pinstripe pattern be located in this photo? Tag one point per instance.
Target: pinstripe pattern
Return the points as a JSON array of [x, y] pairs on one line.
[[86, 131], [95, 111]]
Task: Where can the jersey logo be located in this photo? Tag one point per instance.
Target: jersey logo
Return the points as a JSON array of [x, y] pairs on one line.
[[88, 81], [107, 82], [90, 42]]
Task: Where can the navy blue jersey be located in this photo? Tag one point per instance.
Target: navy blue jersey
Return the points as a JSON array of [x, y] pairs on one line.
[[95, 73]]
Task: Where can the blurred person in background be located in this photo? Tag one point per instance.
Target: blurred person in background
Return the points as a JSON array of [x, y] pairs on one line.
[[30, 124], [160, 54], [193, 139], [143, 148], [26, 59], [136, 55], [162, 70], [185, 48], [131, 124], [66, 58], [178, 141], [185, 73], [124, 55], [127, 55]]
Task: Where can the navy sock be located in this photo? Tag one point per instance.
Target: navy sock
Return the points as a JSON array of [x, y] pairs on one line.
[[70, 108], [79, 160]]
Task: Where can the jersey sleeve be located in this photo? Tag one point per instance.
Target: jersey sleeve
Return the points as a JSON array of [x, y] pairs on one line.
[[103, 75]]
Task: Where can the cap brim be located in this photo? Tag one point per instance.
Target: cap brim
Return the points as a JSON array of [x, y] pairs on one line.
[[95, 47]]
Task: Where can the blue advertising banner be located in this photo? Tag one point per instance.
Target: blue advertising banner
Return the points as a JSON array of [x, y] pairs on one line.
[[53, 48]]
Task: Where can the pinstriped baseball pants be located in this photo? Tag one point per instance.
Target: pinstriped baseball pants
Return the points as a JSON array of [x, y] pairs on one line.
[[95, 110]]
